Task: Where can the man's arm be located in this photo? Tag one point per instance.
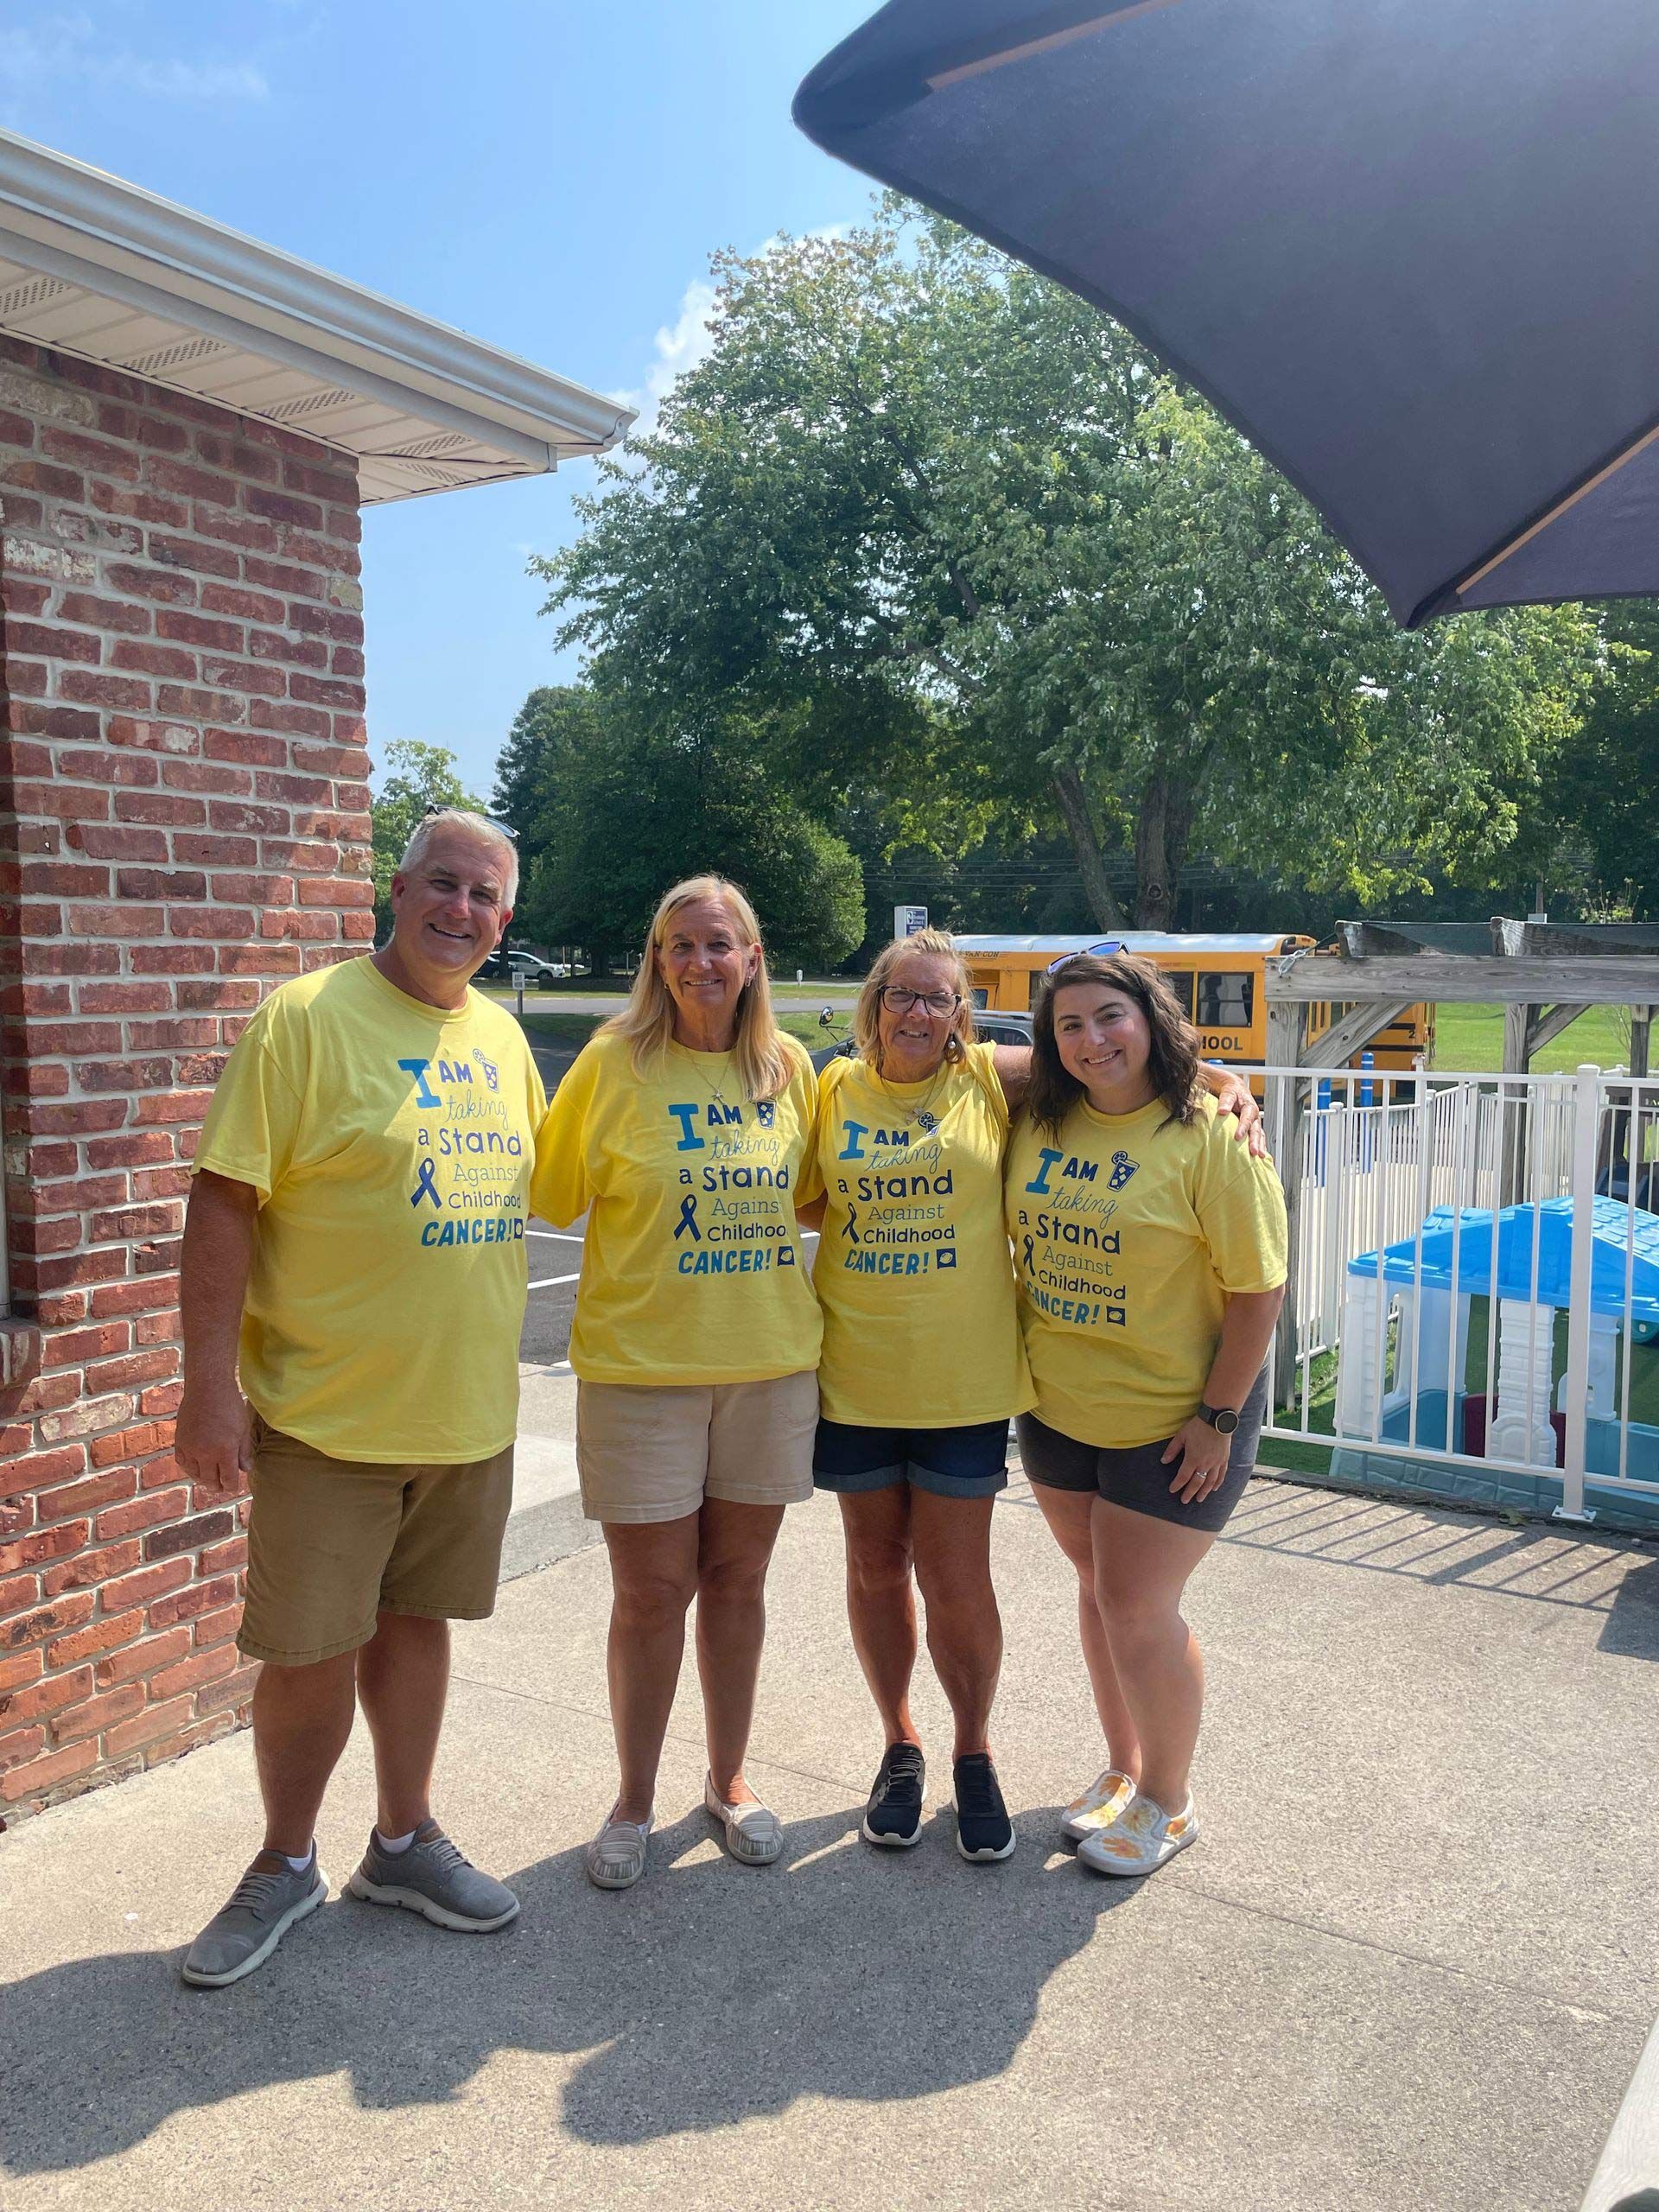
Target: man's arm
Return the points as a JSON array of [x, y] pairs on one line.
[[212, 1442]]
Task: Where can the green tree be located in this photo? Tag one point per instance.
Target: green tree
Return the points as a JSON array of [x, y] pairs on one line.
[[960, 542], [612, 808], [1592, 844], [418, 777]]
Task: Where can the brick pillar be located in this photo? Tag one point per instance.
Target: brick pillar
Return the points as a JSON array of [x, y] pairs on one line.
[[183, 822]]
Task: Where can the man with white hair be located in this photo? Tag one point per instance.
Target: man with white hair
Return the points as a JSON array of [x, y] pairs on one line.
[[355, 1247]]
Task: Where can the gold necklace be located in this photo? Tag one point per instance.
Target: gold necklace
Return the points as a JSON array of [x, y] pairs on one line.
[[918, 1114], [715, 1089]]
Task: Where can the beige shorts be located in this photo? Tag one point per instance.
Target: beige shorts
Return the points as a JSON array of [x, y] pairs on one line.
[[332, 1543], [653, 1453]]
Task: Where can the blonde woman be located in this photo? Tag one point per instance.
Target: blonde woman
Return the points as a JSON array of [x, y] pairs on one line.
[[923, 1363], [682, 1131]]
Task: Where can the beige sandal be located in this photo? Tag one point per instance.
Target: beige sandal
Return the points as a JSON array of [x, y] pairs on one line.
[[753, 1834], [616, 1857]]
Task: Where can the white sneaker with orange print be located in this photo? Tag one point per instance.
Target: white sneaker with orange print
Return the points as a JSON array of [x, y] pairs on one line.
[[1107, 1796], [1140, 1841]]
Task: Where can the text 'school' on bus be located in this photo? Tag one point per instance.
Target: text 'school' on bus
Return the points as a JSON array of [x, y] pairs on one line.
[[1219, 981]]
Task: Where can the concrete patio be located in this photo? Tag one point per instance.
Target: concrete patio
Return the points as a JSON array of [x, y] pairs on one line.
[[1411, 1962]]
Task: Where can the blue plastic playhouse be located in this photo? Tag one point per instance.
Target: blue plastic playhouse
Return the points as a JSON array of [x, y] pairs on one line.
[[1524, 1258]]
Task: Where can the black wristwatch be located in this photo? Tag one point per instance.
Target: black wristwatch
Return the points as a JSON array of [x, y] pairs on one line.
[[1221, 1419]]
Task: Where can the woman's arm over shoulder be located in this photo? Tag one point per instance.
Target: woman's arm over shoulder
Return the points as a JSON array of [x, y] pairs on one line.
[[1013, 1066], [1233, 1095]]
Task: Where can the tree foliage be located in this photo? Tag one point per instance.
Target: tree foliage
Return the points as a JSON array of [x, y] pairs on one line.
[[1591, 831], [419, 777], [945, 534], [611, 807]]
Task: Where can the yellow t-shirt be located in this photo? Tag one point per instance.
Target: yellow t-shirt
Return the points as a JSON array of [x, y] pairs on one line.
[[912, 1273], [390, 1145], [692, 1271], [1128, 1238]]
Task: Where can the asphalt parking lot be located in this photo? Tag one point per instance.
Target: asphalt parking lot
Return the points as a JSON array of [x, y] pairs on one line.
[[554, 1258]]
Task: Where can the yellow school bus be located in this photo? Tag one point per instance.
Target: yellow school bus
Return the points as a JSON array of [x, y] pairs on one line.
[[1218, 979]]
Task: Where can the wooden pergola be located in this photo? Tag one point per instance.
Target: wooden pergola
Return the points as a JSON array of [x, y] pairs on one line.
[[1544, 974]]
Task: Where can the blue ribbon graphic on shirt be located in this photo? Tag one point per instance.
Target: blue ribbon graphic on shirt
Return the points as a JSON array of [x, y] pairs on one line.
[[427, 1187], [687, 1219]]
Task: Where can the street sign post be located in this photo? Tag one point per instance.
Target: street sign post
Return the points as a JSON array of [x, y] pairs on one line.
[[906, 920]]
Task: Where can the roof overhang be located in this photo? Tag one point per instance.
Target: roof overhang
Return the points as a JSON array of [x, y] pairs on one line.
[[98, 268]]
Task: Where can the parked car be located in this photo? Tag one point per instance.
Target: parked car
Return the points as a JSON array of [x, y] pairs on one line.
[[512, 964], [989, 1028], [535, 973]]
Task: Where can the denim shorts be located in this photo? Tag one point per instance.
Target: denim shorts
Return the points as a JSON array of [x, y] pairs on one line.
[[971, 1462], [1135, 1476]]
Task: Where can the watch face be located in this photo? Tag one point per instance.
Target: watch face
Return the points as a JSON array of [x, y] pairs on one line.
[[1223, 1422]]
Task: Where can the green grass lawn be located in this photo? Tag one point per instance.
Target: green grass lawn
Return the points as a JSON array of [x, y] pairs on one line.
[[1469, 1040]]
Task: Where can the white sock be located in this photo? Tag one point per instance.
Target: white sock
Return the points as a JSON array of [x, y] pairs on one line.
[[300, 1864], [394, 1843]]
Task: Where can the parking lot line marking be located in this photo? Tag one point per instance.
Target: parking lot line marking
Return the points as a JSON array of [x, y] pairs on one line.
[[560, 1236], [550, 1283]]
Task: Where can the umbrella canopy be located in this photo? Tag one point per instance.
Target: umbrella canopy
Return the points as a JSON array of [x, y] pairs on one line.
[[1410, 248]]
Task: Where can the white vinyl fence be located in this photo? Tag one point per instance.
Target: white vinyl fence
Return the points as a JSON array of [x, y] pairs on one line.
[[1474, 1275]]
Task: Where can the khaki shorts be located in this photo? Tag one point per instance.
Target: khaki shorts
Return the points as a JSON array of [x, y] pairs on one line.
[[332, 1543], [651, 1452]]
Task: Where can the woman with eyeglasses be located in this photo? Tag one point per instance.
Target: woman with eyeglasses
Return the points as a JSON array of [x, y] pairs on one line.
[[1151, 1256], [923, 1364]]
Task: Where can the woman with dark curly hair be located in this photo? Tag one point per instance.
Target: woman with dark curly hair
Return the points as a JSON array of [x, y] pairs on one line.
[[1150, 1250]]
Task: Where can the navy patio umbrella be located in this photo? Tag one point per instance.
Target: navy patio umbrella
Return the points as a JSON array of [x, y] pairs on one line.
[[1410, 248]]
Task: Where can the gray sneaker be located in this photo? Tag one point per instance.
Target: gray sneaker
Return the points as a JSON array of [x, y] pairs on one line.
[[264, 1905], [432, 1879]]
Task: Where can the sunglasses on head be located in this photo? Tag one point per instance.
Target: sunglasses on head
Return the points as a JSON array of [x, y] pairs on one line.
[[1101, 951]]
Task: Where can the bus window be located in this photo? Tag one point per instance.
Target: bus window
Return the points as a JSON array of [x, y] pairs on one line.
[[1034, 983], [982, 998], [1180, 981], [1226, 1000]]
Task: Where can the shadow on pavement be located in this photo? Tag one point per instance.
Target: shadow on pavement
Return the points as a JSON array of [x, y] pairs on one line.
[[710, 1993], [1633, 1630]]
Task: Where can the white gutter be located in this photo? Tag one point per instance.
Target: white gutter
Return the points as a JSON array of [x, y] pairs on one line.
[[66, 220]]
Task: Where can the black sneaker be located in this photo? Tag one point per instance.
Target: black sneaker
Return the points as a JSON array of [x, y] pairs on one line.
[[984, 1828], [893, 1816]]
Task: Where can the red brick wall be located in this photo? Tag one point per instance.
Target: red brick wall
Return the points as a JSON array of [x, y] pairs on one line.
[[183, 822]]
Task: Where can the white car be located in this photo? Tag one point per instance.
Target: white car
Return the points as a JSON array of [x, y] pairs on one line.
[[535, 974]]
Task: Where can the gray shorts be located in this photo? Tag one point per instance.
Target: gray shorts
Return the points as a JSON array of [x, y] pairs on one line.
[[1135, 1476]]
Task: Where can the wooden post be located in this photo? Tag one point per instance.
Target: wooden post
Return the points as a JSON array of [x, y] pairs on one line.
[[1640, 1027], [1518, 1024]]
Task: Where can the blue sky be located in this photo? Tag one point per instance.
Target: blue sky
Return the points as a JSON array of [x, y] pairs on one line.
[[552, 178]]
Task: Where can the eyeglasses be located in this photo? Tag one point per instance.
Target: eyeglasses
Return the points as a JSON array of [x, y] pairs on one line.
[[897, 1000], [1101, 951]]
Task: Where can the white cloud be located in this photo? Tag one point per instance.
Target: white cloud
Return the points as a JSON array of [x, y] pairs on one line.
[[66, 49], [680, 345]]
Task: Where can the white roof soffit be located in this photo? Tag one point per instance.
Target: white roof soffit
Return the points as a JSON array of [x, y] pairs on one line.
[[98, 268]]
